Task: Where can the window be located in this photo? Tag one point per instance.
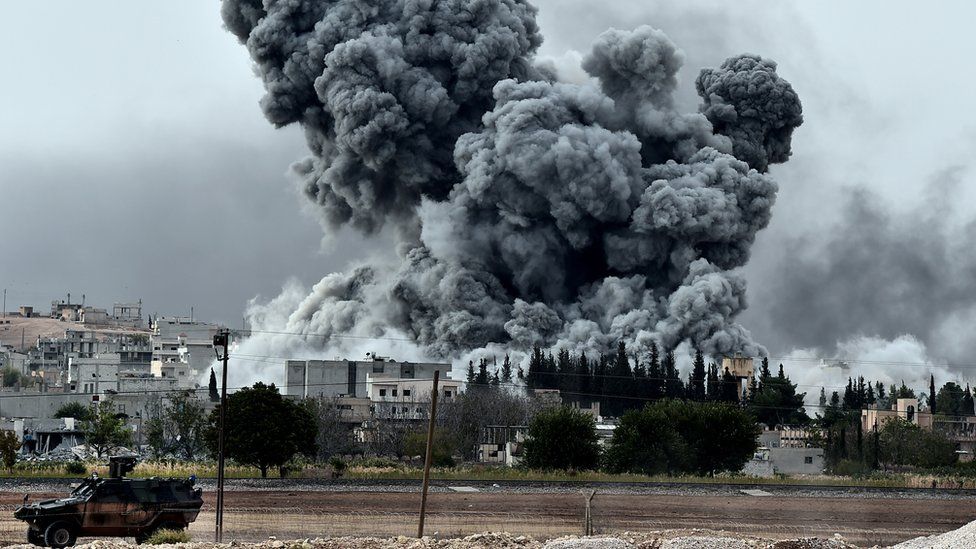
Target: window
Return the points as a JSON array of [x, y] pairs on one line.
[[382, 392], [406, 392], [394, 392], [447, 394], [808, 460]]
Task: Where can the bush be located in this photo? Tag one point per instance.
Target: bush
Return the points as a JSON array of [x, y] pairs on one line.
[[675, 436], [562, 438], [75, 468], [164, 536], [338, 466], [415, 444]]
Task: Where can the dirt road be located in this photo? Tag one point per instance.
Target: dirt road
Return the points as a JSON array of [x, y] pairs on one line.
[[291, 514]]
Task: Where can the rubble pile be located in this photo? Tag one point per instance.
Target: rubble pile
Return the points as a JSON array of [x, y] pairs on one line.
[[962, 537]]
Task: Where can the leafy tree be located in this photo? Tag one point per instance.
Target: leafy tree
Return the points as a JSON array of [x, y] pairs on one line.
[[904, 443], [674, 436], [9, 377], [76, 410], [562, 438], [214, 394], [8, 448], [179, 427], [105, 431], [464, 417], [950, 400], [332, 436], [263, 429]]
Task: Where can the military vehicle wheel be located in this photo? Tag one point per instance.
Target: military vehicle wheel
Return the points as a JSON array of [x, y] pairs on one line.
[[58, 535], [35, 538]]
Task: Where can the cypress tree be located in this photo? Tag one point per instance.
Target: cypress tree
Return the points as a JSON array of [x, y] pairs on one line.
[[655, 376], [506, 370], [214, 395], [823, 398], [932, 393], [696, 383], [533, 380], [967, 402]]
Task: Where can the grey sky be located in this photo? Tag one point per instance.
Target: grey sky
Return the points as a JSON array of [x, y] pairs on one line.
[[135, 162]]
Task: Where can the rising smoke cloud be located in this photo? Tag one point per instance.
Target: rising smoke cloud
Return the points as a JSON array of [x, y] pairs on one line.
[[879, 272], [527, 211]]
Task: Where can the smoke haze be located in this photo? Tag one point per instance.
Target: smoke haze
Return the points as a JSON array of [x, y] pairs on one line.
[[526, 211]]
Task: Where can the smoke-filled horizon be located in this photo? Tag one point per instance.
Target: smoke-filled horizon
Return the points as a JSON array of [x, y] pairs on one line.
[[527, 211]]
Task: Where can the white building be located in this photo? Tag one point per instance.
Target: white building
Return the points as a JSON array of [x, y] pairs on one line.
[[348, 378]]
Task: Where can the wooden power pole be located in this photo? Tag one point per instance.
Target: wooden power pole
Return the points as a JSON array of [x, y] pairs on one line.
[[430, 454]]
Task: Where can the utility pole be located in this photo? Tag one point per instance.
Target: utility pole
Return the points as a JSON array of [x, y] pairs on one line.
[[430, 454], [221, 340], [5, 303]]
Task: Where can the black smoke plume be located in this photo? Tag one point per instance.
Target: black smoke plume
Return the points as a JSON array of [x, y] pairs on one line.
[[527, 211]]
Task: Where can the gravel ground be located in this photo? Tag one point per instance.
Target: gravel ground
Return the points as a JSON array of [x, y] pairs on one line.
[[658, 540]]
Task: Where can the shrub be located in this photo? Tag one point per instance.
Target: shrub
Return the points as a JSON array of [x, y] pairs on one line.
[[562, 438], [75, 468], [338, 466], [165, 536]]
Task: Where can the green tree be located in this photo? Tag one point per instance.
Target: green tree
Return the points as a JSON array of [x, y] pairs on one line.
[[263, 429], [776, 402], [562, 438], [75, 410], [179, 428], [8, 448], [904, 443], [967, 402], [696, 389], [10, 377], [105, 432], [950, 400], [674, 436], [507, 370]]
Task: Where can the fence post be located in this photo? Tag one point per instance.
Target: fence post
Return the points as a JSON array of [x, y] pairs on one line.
[[588, 513]]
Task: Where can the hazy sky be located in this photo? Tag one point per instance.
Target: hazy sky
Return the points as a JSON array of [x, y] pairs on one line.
[[135, 161]]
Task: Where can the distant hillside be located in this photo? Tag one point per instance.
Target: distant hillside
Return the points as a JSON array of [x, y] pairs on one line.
[[13, 328]]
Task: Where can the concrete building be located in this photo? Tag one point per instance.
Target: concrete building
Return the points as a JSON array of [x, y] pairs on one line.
[[398, 398], [502, 444], [94, 375], [183, 340], [904, 408], [348, 378], [127, 314]]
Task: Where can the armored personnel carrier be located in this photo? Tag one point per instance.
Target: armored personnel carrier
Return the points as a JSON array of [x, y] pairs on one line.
[[114, 506]]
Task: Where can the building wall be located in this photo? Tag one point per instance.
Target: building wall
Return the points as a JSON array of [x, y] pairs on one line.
[[797, 461], [332, 378], [33, 404]]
